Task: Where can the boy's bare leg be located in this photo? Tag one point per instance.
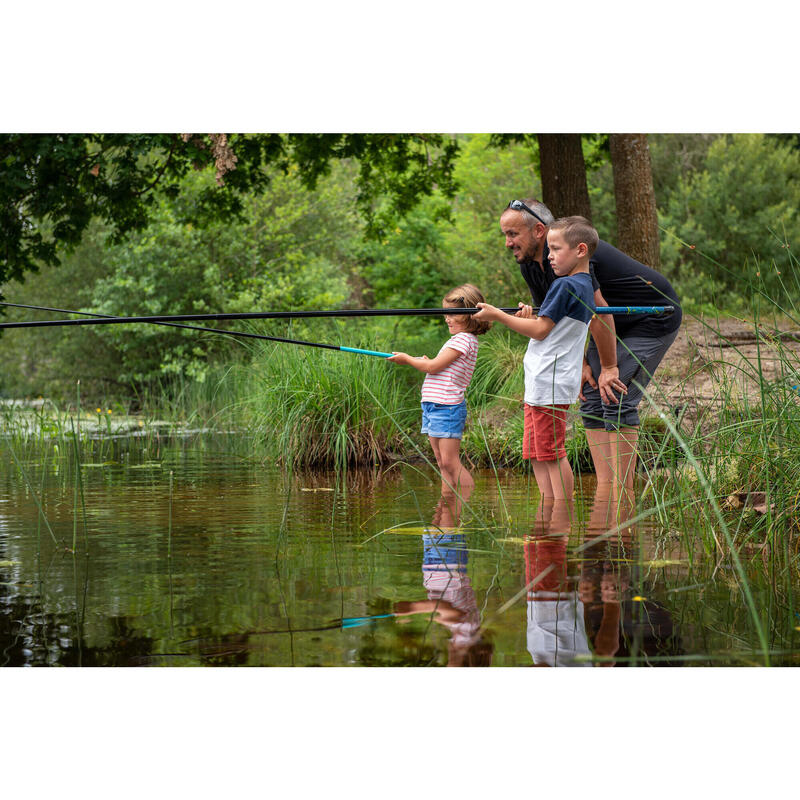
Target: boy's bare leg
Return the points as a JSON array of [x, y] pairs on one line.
[[562, 480], [542, 475], [453, 471], [544, 511], [561, 518]]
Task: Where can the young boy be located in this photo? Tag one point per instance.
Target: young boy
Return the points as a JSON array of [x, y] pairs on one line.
[[554, 358]]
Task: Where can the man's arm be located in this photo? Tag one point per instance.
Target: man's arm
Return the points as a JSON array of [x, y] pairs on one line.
[[605, 337]]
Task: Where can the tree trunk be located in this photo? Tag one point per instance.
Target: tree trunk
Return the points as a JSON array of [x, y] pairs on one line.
[[637, 220], [563, 173]]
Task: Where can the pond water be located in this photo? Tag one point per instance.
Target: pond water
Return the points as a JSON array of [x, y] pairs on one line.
[[185, 554]]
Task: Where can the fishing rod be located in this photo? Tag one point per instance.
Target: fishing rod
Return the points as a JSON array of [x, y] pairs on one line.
[[170, 324], [213, 330], [195, 328], [355, 312], [335, 625]]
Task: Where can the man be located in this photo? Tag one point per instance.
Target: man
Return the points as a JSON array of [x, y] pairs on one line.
[[625, 348]]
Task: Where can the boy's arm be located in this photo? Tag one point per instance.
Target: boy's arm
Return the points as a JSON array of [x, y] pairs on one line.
[[605, 337], [533, 328], [424, 364]]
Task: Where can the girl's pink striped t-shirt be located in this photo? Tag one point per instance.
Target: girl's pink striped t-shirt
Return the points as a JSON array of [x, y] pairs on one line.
[[448, 386]]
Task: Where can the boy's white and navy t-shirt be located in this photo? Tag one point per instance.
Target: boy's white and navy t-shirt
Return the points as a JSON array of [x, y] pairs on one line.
[[553, 365], [448, 386]]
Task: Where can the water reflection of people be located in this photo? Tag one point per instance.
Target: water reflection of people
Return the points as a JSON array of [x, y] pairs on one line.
[[451, 599], [605, 573], [556, 635], [618, 621]]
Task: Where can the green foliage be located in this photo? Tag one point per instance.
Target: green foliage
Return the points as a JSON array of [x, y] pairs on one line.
[[489, 180], [52, 185], [672, 157], [407, 268], [49, 361], [498, 371], [739, 212], [290, 249], [395, 170], [279, 256]]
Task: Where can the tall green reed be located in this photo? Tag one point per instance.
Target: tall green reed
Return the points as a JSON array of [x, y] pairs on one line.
[[735, 490], [318, 409]]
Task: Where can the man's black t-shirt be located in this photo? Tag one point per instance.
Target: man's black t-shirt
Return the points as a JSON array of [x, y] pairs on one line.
[[623, 282]]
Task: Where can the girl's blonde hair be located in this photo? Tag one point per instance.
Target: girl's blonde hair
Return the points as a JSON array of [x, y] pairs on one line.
[[468, 296]]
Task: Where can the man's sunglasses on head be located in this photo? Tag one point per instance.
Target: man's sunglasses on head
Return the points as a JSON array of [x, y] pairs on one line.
[[518, 205]]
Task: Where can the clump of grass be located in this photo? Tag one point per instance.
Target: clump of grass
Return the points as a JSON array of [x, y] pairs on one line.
[[494, 426], [319, 409], [498, 375]]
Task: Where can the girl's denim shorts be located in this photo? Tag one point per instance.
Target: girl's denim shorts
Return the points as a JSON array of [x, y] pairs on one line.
[[444, 422]]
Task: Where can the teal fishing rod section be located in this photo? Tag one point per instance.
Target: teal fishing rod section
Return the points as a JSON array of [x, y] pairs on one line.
[[356, 312]]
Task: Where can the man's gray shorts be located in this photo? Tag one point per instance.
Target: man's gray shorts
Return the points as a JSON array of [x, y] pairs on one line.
[[637, 359]]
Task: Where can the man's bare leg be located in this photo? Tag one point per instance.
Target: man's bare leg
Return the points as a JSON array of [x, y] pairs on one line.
[[599, 440], [624, 453], [614, 457]]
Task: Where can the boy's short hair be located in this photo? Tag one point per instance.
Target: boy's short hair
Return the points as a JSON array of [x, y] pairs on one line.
[[468, 296], [577, 230]]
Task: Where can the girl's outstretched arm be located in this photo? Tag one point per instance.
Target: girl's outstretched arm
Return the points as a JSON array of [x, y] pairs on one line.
[[425, 364]]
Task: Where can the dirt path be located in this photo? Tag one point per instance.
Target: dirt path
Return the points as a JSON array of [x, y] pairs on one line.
[[723, 361]]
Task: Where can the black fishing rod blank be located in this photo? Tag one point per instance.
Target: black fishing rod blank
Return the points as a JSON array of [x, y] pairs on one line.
[[356, 312], [216, 330], [242, 334]]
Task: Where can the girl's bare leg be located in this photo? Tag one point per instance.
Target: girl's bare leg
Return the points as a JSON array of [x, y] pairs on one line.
[[454, 473]]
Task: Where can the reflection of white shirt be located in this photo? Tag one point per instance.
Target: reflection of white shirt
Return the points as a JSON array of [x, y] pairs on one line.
[[556, 632]]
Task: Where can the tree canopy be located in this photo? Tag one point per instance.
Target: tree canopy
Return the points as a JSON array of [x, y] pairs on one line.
[[53, 185]]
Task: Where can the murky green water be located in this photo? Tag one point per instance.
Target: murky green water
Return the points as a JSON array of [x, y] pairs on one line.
[[188, 555]]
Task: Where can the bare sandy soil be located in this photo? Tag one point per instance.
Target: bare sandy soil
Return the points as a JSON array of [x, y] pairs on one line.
[[724, 361]]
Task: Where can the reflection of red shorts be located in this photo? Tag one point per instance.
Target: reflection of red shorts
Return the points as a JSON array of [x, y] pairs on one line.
[[545, 430]]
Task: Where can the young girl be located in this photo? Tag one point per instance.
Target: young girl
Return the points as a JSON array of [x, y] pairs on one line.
[[444, 410]]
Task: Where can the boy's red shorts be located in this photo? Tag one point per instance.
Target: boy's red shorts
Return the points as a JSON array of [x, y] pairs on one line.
[[545, 430]]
